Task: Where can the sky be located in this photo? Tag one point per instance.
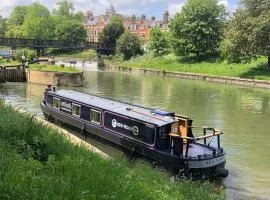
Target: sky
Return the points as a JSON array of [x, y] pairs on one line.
[[126, 7]]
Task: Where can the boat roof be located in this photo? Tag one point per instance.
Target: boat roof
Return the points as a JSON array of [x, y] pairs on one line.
[[150, 116]]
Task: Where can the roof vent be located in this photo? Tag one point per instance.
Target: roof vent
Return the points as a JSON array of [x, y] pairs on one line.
[[162, 113]]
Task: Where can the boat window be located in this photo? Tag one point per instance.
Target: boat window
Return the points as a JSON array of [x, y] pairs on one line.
[[76, 110], [56, 103], [95, 116]]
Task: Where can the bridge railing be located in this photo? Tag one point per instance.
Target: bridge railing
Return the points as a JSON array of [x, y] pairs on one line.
[[36, 43], [60, 44]]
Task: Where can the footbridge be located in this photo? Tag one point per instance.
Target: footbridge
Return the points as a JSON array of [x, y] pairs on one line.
[[40, 45]]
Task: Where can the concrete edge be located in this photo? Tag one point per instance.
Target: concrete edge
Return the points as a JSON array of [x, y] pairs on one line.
[[193, 76]]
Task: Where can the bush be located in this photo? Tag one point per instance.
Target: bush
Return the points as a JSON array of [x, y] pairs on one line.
[[28, 53], [129, 45], [158, 42]]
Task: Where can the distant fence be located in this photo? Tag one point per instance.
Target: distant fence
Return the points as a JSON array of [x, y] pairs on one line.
[[12, 74]]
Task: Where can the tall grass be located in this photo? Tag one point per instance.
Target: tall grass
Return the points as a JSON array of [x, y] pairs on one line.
[[254, 70], [53, 68], [8, 62], [37, 163]]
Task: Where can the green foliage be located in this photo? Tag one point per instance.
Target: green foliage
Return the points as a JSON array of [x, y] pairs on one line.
[[254, 70], [70, 30], [53, 68], [68, 26], [158, 42], [53, 168], [248, 32], [198, 28], [28, 53], [3, 26], [64, 8], [15, 21], [112, 32], [129, 45], [37, 22], [17, 16], [86, 54], [14, 31], [235, 45]]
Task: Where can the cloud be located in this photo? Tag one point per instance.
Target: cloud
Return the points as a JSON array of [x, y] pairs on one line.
[[224, 2], [175, 8], [138, 7]]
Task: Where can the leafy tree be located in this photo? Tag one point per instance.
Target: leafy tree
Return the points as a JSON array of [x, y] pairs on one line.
[[198, 28], [37, 22], [235, 45], [248, 32], [65, 8], [3, 26], [15, 22], [112, 32], [129, 45], [158, 42], [17, 16], [70, 30], [68, 26]]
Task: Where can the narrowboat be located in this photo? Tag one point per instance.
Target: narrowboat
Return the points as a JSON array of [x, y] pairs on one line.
[[163, 137]]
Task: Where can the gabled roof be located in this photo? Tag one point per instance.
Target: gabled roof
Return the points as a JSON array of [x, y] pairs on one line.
[[92, 21]]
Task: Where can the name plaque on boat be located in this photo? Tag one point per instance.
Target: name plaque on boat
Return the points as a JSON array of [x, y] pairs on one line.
[[132, 128]]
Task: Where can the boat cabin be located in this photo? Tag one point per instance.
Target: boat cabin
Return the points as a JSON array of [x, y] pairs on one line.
[[150, 127]]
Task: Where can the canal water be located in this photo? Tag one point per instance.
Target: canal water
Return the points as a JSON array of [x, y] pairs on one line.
[[242, 113]]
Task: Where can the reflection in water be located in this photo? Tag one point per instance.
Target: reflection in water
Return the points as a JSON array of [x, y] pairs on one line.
[[243, 114]]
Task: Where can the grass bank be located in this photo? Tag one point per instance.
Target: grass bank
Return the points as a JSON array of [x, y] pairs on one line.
[[37, 163], [254, 70], [84, 55], [53, 68], [10, 62]]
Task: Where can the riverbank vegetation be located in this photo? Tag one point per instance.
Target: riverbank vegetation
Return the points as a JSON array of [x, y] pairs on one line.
[[253, 70], [237, 46], [38, 163], [7, 62], [82, 55], [53, 68]]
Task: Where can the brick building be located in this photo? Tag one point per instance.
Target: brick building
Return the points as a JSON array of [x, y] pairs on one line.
[[140, 27]]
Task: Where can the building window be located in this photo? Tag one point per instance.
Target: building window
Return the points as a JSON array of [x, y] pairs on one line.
[[132, 27], [95, 116], [95, 33], [56, 103], [76, 110]]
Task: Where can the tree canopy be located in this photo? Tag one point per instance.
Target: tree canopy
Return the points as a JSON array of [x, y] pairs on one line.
[[112, 32], [68, 26], [15, 22], [3, 26], [248, 33], [198, 28], [158, 42], [129, 45], [37, 22]]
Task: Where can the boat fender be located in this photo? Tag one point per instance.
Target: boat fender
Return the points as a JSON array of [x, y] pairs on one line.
[[222, 172]]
